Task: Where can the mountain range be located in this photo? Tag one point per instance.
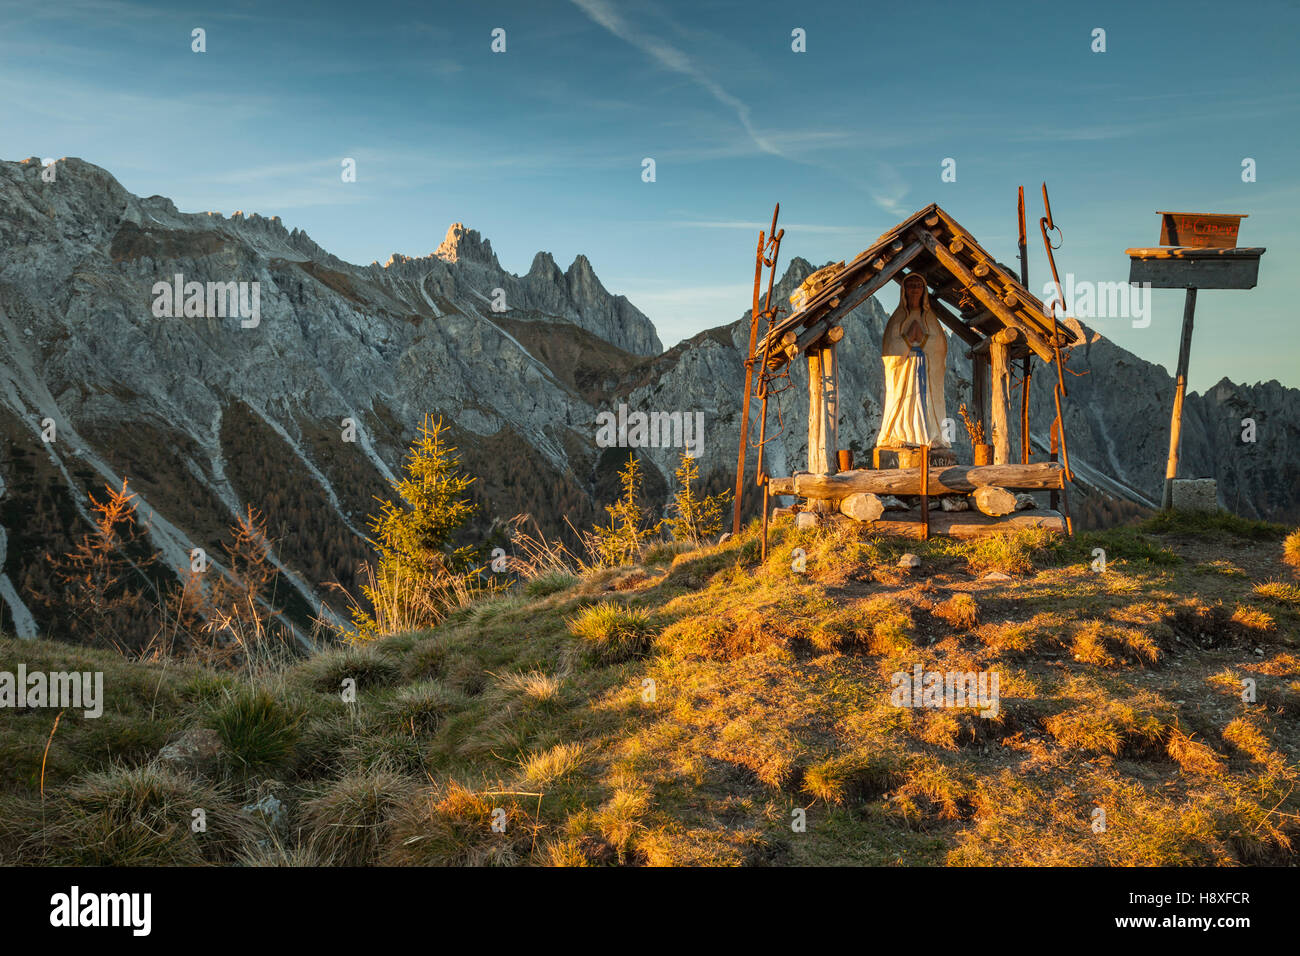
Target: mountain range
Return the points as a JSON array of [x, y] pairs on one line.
[[306, 413]]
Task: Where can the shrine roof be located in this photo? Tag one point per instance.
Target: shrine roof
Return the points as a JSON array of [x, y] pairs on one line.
[[973, 294]]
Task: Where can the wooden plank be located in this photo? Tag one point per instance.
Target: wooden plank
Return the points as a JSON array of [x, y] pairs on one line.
[[954, 480], [1196, 273], [830, 368], [980, 389], [1200, 229], [925, 493]]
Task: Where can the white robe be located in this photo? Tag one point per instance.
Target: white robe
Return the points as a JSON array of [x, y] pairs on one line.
[[911, 417]]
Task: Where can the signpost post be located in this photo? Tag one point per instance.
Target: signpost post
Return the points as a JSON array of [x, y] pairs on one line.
[[1197, 251]]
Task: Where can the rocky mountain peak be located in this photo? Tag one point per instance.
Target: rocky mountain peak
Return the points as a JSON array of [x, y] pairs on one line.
[[466, 245]]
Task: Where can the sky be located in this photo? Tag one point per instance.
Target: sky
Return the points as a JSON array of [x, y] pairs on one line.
[[542, 146]]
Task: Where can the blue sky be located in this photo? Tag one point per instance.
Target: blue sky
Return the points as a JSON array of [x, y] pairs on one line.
[[541, 147]]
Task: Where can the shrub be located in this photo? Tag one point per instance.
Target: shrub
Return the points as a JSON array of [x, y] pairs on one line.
[[1279, 592], [961, 611], [542, 768], [850, 777]]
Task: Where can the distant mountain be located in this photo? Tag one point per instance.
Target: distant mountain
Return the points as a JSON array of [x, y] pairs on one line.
[[209, 413]]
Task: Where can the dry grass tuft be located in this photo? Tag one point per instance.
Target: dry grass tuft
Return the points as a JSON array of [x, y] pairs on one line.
[[961, 611], [609, 633], [349, 821]]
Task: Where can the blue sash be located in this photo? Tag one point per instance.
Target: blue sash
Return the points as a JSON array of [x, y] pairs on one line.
[[921, 377]]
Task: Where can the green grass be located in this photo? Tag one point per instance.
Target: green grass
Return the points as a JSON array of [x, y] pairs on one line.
[[257, 730], [1212, 523], [690, 710]]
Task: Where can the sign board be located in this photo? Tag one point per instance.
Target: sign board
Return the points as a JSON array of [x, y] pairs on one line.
[[1183, 268], [1199, 230]]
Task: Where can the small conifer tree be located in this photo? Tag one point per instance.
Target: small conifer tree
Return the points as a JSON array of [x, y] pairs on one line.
[[691, 517], [621, 541], [418, 568]]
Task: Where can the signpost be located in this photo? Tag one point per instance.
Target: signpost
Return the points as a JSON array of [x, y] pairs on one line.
[[1197, 251]]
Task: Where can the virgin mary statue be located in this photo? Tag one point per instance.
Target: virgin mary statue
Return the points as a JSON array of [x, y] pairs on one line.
[[915, 351]]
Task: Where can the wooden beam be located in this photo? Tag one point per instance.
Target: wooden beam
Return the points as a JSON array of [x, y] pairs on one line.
[[817, 334], [960, 328], [991, 301], [852, 299], [954, 480], [1026, 376]]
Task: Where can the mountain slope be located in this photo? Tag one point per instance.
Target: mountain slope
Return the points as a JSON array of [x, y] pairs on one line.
[[711, 708]]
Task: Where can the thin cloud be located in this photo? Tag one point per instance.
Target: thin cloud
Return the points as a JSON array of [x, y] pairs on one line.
[[671, 58]]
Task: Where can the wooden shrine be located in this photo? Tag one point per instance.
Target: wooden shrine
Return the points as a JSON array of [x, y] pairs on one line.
[[1004, 326]]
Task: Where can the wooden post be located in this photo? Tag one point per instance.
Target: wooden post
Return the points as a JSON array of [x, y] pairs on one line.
[[816, 415], [979, 375], [925, 492], [831, 402], [819, 462], [1025, 377], [1053, 456], [1180, 389], [1001, 399]]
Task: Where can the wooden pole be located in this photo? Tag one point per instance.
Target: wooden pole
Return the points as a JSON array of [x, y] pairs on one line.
[[1180, 390], [1053, 456], [749, 383]]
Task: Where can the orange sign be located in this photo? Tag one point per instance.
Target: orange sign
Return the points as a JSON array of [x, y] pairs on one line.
[[1199, 230]]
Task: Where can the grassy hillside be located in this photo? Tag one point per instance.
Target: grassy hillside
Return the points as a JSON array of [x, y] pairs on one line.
[[685, 712]]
